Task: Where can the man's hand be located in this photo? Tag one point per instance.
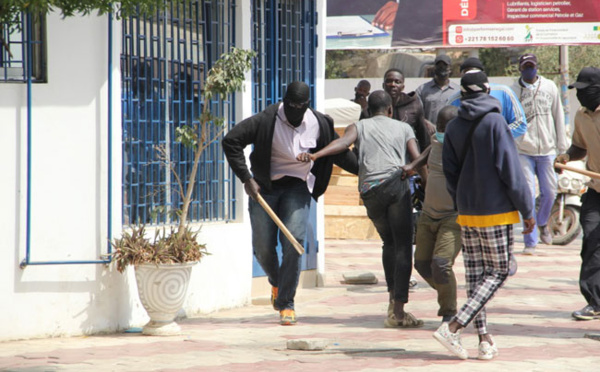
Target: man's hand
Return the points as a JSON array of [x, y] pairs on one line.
[[252, 188], [305, 157], [407, 171], [529, 225], [563, 159], [386, 16], [430, 127], [362, 101]]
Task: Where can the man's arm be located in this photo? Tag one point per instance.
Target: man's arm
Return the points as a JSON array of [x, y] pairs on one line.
[[419, 165], [572, 154], [335, 147], [450, 166], [512, 110], [241, 135], [413, 151], [511, 172], [559, 122]]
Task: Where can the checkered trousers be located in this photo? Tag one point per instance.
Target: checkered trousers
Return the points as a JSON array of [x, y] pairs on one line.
[[486, 256]]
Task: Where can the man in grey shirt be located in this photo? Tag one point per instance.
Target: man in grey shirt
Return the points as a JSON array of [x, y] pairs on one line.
[[383, 145], [435, 94]]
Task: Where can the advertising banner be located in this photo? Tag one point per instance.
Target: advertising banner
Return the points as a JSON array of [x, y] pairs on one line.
[[461, 23]]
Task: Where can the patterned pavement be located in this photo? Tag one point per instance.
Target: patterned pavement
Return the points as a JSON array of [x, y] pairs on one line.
[[529, 318]]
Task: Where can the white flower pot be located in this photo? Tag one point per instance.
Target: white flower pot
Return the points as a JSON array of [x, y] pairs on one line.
[[162, 291]]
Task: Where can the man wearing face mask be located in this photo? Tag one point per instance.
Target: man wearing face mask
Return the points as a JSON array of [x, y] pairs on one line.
[[438, 234], [545, 138], [586, 141], [436, 93], [278, 134]]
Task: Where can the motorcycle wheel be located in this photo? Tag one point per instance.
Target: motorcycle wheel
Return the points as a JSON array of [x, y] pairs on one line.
[[569, 230]]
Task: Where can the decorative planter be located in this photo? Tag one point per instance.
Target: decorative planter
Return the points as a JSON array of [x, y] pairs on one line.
[[162, 291]]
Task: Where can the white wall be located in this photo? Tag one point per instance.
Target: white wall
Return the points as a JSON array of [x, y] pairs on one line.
[[320, 106], [69, 211]]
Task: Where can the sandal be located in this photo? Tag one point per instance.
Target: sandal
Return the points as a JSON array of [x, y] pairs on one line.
[[409, 321]]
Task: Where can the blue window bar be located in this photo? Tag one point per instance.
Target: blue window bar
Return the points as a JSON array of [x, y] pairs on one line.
[[164, 61]]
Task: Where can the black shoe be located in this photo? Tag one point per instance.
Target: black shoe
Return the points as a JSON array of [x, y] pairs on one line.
[[587, 313]]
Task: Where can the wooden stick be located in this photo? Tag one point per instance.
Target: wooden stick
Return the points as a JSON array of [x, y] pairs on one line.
[[299, 248], [577, 170]]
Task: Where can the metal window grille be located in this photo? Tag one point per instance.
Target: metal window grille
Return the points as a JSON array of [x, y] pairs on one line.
[[285, 39], [164, 62], [14, 49]]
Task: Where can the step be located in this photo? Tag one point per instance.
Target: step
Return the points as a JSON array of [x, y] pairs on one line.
[[341, 195], [340, 180], [345, 210], [339, 171]]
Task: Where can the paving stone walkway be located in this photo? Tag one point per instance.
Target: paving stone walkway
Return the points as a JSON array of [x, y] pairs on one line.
[[530, 319]]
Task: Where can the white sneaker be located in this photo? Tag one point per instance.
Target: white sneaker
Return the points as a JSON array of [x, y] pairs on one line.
[[529, 251], [412, 283], [451, 341], [487, 351]]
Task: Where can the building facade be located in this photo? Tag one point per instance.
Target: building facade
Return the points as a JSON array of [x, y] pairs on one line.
[[85, 102]]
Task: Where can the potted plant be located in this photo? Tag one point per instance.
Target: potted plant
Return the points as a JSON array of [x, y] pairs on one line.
[[163, 264]]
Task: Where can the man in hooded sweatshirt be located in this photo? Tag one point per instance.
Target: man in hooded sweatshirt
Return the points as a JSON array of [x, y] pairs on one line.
[[489, 189], [279, 133], [586, 142], [545, 138]]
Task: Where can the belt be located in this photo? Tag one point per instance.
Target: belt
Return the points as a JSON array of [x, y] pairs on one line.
[[287, 181]]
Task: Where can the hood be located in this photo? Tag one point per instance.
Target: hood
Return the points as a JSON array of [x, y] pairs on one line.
[[477, 105], [405, 99]]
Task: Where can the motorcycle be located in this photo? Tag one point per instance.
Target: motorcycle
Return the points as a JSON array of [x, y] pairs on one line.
[[564, 217]]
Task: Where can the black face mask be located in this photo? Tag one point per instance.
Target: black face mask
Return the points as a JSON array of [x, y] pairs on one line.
[[589, 97], [294, 112], [442, 72]]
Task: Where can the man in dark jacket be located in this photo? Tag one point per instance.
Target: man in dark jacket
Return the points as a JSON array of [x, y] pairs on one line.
[[279, 134], [586, 144], [407, 107], [486, 181]]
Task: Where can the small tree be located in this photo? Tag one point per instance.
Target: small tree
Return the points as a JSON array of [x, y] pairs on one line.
[[225, 77]]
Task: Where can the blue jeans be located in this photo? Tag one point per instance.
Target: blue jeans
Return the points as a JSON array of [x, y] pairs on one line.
[[389, 207], [291, 203], [543, 168]]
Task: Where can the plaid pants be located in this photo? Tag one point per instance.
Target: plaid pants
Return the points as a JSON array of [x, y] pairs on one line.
[[486, 255]]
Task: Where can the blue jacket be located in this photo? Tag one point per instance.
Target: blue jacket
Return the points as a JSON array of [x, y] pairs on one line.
[[511, 108], [490, 187]]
